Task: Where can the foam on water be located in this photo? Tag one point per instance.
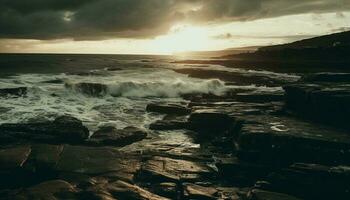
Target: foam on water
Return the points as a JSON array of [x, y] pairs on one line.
[[128, 93]]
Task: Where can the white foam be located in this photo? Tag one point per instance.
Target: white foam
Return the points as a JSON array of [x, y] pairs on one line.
[[129, 91], [166, 89]]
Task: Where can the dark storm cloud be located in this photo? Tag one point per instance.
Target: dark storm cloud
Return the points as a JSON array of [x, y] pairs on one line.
[[102, 19]]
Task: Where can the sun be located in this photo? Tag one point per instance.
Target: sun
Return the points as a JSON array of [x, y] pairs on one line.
[[181, 38]]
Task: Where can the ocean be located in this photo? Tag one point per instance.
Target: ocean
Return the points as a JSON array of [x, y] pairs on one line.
[[104, 90]]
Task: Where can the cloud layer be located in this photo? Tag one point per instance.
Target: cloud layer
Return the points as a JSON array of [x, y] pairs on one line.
[[105, 19]]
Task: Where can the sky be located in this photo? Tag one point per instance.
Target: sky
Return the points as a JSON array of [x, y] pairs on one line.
[[163, 26]]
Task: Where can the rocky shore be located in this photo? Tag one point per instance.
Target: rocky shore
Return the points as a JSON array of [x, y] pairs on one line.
[[290, 144]]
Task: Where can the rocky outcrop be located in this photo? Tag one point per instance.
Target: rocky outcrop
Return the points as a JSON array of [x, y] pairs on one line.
[[170, 109], [163, 169], [110, 136], [54, 189], [119, 190], [193, 191], [210, 122], [327, 77], [321, 97], [238, 78], [64, 129], [283, 140], [14, 92], [170, 122], [310, 181]]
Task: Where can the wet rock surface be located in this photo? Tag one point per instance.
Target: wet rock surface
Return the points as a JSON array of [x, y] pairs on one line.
[[171, 109], [111, 136], [62, 129], [246, 145], [322, 97]]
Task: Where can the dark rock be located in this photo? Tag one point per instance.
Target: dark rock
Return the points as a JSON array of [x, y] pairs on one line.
[[62, 129], [210, 122], [45, 156], [256, 194], [166, 189], [193, 191], [169, 123], [54, 81], [312, 181], [96, 160], [283, 140], [55, 189], [90, 89], [120, 190], [163, 169], [326, 103], [17, 92], [114, 137], [257, 98], [327, 77], [239, 78], [170, 109], [241, 172], [113, 69], [13, 158]]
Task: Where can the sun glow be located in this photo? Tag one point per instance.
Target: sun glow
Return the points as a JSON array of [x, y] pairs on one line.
[[182, 38]]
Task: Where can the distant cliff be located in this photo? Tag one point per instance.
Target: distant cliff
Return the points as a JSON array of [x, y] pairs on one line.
[[334, 47]]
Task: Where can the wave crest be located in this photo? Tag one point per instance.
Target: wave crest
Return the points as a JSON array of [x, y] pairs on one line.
[[160, 89]]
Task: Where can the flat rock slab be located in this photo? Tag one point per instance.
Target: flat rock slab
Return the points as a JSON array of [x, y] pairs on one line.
[[110, 136], [119, 190], [279, 139], [324, 102], [311, 181], [13, 158], [210, 121], [167, 169], [327, 77], [95, 160], [63, 129], [193, 191], [236, 77], [54, 189], [267, 195], [170, 109], [240, 172]]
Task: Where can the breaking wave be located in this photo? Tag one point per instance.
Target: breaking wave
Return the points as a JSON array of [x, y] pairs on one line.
[[159, 89]]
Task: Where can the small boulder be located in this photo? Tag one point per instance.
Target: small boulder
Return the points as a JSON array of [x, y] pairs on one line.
[[170, 109], [116, 137], [169, 124], [193, 191]]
